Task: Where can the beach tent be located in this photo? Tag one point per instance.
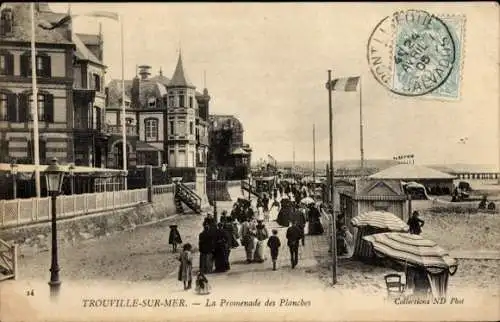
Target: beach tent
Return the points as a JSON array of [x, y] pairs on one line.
[[410, 250], [374, 222]]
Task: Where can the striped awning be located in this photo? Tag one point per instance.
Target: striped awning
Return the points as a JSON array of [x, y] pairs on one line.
[[412, 249], [380, 219]]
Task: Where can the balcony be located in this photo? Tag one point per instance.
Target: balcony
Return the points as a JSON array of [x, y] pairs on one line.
[[117, 129]]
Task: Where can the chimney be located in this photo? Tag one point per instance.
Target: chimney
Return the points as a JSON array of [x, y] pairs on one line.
[[144, 71], [135, 93]]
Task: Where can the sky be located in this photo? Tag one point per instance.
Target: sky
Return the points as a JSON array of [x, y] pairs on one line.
[[267, 65]]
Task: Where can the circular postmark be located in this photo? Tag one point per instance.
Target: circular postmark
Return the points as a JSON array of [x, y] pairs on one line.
[[411, 53]]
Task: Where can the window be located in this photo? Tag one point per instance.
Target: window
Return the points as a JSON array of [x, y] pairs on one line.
[[171, 126], [6, 21], [41, 107], [6, 63], [181, 100], [45, 107], [151, 102], [43, 67], [181, 130], [97, 82], [191, 126], [171, 101], [190, 101], [151, 129], [4, 107], [8, 107]]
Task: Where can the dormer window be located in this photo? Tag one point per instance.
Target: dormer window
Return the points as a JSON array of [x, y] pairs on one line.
[[6, 21], [151, 102]]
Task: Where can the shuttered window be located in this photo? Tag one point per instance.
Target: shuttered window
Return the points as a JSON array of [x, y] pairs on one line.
[[45, 107], [8, 107], [6, 63], [4, 107], [43, 65]]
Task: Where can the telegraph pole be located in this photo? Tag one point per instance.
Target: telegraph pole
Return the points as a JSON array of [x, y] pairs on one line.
[[332, 182]]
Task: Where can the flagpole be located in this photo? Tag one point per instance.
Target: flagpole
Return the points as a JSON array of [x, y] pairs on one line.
[[34, 107], [124, 126], [361, 127], [314, 154], [332, 183]]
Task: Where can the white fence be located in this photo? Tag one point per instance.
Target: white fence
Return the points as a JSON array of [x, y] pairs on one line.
[[22, 211]]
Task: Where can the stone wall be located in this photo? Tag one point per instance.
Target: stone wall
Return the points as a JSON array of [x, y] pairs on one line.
[[72, 230]]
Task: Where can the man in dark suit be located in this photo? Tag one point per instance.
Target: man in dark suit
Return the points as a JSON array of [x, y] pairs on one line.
[[293, 234], [301, 218]]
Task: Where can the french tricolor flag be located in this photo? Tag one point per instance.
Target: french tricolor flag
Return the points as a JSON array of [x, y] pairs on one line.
[[346, 84]]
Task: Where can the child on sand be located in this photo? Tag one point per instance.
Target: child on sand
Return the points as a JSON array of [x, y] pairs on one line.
[[274, 244]]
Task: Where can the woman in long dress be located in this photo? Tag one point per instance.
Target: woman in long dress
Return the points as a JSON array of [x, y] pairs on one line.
[[315, 226], [261, 234], [221, 248], [186, 266], [275, 209], [283, 218], [248, 239]]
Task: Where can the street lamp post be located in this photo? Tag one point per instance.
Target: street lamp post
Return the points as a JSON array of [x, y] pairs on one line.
[[215, 175], [72, 177], [54, 176], [13, 170]]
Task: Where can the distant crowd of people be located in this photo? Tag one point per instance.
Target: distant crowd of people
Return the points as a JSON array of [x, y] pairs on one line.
[[246, 226]]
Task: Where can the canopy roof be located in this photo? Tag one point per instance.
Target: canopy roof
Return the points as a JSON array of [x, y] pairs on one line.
[[410, 172]]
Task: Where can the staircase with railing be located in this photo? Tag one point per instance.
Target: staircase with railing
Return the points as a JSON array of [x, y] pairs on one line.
[[245, 185], [184, 195], [8, 261]]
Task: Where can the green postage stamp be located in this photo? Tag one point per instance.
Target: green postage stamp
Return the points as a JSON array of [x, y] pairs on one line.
[[415, 53]]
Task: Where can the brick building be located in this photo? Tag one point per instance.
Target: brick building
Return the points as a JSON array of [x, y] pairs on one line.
[[70, 92]]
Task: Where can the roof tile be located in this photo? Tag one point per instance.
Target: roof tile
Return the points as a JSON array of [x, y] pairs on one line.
[[21, 29]]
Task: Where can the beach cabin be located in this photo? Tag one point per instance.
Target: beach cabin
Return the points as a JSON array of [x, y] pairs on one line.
[[373, 194]]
